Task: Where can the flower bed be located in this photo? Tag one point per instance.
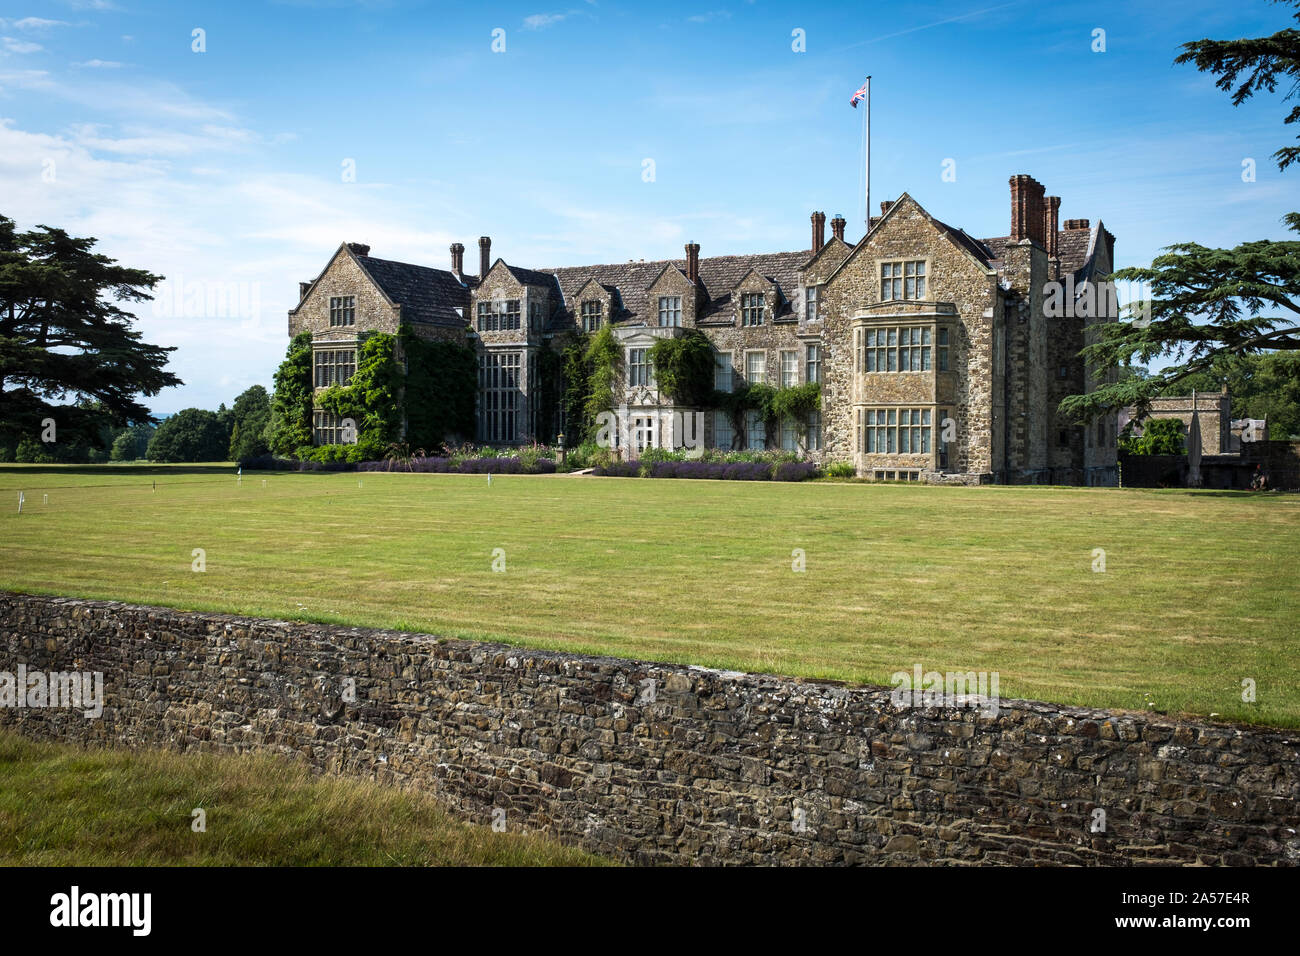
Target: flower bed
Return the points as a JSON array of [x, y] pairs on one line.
[[430, 465], [721, 471]]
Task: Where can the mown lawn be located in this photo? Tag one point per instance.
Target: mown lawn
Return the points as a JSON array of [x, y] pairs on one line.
[[64, 806], [1198, 592]]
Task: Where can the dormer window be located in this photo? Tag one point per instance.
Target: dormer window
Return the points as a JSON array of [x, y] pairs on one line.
[[902, 280], [670, 311], [591, 315], [343, 310], [753, 307]]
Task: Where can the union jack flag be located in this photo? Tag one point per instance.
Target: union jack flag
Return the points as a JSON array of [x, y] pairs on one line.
[[861, 94]]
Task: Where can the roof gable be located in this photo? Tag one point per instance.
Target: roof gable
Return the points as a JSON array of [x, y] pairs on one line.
[[973, 248], [835, 242], [343, 248], [753, 272]]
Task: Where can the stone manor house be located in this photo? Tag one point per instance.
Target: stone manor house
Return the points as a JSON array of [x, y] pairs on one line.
[[937, 354]]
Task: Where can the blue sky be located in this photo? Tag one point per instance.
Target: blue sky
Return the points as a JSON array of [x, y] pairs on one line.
[[224, 170]]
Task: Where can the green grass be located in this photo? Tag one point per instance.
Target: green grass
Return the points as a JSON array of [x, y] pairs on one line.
[[64, 806], [1199, 590]]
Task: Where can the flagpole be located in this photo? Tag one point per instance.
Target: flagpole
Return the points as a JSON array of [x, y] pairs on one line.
[[867, 172]]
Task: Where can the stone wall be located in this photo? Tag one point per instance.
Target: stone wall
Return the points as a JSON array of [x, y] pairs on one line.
[[655, 763]]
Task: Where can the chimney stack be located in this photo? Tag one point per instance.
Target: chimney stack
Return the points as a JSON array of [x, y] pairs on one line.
[[302, 290], [693, 262], [1077, 224], [818, 231], [1027, 209], [1051, 219], [458, 258], [837, 227], [484, 256], [360, 248], [885, 205]]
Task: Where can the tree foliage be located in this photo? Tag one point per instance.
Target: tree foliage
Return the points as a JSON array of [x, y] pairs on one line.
[[372, 399], [1205, 305], [63, 334], [132, 444], [684, 367], [604, 360], [192, 434], [1254, 65], [250, 415], [291, 403], [1262, 386], [1160, 436], [440, 384], [577, 388]]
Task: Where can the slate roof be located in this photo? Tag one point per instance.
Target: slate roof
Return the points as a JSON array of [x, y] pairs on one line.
[[531, 276], [975, 247], [718, 274], [425, 295], [1072, 247]]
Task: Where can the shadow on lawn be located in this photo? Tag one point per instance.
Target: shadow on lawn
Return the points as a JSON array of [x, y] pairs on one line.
[[214, 468]]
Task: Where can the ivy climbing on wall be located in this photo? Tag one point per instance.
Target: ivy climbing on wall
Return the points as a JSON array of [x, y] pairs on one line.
[[436, 391]]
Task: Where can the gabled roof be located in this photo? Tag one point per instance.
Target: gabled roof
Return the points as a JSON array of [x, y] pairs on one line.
[[1076, 249], [752, 272], [829, 243], [530, 276], [425, 294], [717, 273], [974, 248]]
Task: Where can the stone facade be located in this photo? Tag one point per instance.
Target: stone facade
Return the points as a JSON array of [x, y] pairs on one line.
[[1214, 409], [657, 763], [989, 414], [356, 296]]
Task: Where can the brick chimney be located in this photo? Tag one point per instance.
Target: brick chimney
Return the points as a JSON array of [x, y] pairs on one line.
[[818, 231], [1051, 218], [885, 206], [1077, 224], [484, 256], [1027, 209], [458, 258], [693, 262], [360, 248], [837, 227]]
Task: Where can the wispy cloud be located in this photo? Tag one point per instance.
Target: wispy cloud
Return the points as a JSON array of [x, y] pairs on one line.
[[32, 23], [99, 65], [539, 20], [709, 17], [20, 46], [926, 26]]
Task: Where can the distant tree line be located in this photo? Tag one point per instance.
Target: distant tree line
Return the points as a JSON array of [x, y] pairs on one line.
[[192, 434]]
